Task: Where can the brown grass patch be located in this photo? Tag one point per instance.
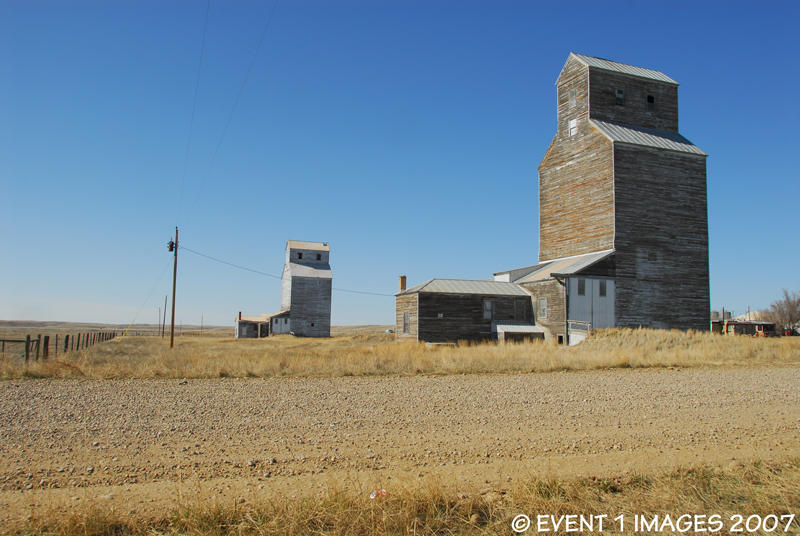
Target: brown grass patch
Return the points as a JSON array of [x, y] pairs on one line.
[[366, 354], [437, 508]]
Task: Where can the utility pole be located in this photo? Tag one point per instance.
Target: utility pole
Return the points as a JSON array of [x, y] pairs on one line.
[[173, 246]]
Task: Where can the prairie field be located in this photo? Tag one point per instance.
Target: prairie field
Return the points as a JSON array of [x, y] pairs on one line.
[[368, 351]]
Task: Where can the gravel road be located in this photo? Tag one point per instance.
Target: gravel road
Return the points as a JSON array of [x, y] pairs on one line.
[[95, 434]]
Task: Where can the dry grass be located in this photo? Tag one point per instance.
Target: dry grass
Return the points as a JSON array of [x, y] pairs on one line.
[[437, 508], [375, 353]]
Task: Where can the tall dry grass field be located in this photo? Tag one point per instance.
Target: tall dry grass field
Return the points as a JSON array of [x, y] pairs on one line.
[[441, 508], [376, 353]]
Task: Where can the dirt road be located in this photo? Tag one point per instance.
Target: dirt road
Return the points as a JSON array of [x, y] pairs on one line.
[[145, 443]]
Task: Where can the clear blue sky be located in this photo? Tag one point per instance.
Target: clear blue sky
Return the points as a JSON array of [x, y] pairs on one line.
[[406, 134]]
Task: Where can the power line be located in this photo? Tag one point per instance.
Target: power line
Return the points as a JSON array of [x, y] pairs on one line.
[[259, 272], [153, 289], [367, 292], [244, 82], [267, 24], [194, 106], [230, 263]]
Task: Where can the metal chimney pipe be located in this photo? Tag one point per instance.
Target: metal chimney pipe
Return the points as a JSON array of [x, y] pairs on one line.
[[402, 283]]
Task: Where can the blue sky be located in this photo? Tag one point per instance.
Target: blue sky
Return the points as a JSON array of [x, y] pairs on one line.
[[406, 134]]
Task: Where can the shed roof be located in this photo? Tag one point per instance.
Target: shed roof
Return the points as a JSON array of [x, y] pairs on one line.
[[322, 271], [517, 273], [516, 327], [565, 266], [261, 318], [258, 319], [300, 244], [647, 137], [467, 286], [633, 70]]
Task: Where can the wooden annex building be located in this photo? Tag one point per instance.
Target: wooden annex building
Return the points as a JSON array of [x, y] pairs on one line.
[[441, 310], [623, 225]]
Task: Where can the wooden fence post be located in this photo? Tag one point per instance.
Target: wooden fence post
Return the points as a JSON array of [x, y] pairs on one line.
[[38, 345], [56, 346], [46, 349], [27, 347], [3, 351], [66, 343]]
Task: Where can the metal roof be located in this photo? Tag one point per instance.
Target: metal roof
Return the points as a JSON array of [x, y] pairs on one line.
[[467, 286], [565, 266], [299, 244], [608, 65], [512, 327], [261, 318], [647, 137], [310, 270], [258, 319], [516, 273]]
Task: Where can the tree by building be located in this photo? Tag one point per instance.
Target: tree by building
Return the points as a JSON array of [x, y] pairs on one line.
[[785, 311]]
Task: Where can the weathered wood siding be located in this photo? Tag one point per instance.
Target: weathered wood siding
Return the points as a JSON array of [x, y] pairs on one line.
[[661, 239], [406, 303], [310, 310], [605, 268], [307, 256], [576, 195], [663, 115], [462, 316], [574, 77], [575, 177], [555, 293]]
